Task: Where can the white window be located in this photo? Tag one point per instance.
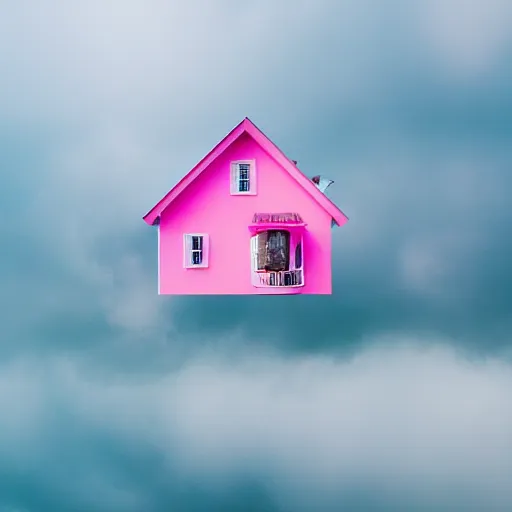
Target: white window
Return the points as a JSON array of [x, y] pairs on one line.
[[195, 250], [243, 178], [273, 261]]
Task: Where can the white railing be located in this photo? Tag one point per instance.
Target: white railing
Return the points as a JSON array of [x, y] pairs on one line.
[[283, 278]]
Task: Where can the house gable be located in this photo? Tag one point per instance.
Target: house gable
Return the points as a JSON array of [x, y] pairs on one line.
[[247, 127], [230, 222]]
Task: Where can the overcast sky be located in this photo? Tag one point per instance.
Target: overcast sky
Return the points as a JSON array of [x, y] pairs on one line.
[[393, 394]]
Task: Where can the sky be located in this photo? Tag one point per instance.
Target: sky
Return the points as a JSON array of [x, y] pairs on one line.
[[393, 394]]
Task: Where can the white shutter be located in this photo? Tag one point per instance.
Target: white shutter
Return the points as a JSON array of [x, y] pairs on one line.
[[261, 250], [235, 176], [187, 250], [206, 250], [254, 252], [252, 177]]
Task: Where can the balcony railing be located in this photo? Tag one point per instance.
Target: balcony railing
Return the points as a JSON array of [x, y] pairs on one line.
[[283, 278]]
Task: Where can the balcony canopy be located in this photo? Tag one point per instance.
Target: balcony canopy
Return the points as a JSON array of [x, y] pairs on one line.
[[269, 221]]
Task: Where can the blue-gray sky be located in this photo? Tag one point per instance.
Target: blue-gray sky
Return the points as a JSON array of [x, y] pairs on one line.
[[393, 394]]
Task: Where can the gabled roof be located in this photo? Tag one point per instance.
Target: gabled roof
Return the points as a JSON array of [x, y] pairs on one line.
[[247, 126]]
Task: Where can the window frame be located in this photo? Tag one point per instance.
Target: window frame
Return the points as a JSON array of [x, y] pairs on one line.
[[235, 178], [188, 251], [298, 245], [256, 271]]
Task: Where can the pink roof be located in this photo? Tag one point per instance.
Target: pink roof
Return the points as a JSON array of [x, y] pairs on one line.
[[247, 126]]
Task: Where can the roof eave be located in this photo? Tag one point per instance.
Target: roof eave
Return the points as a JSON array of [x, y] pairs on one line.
[[151, 220], [151, 217], [275, 152], [340, 219]]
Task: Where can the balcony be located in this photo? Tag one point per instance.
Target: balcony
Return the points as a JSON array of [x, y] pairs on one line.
[[282, 279], [277, 251]]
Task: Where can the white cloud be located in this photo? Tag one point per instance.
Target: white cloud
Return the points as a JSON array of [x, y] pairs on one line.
[[22, 406], [427, 262], [129, 83], [388, 414], [406, 415], [98, 192], [133, 303], [172, 57], [141, 90], [467, 36], [423, 265]]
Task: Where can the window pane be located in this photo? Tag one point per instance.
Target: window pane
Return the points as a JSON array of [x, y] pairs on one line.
[[197, 242], [243, 185], [197, 257], [298, 256], [278, 251], [262, 250]]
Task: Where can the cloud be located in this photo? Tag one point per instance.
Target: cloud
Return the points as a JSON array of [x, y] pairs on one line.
[[468, 37], [390, 413], [426, 221], [133, 57], [148, 62], [140, 402], [413, 420], [126, 90]]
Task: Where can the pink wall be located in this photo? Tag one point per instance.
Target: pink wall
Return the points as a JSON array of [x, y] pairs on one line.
[[206, 206]]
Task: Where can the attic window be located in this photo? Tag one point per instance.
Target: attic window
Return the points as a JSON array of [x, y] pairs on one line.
[[244, 181], [243, 178], [195, 250]]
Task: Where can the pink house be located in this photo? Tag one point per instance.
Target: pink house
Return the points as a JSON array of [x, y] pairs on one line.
[[245, 220]]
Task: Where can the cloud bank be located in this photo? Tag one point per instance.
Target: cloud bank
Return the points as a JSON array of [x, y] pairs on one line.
[[115, 399], [312, 430]]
